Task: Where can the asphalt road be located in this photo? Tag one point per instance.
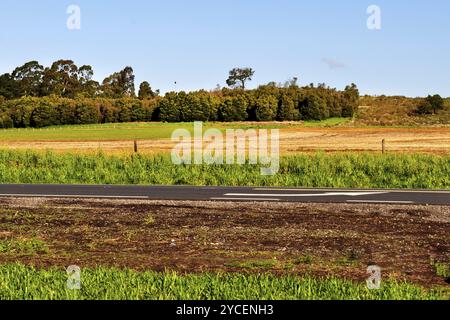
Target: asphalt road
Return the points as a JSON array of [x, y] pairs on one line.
[[229, 194]]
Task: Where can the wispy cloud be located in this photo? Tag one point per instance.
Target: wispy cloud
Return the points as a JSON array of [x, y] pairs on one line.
[[333, 64]]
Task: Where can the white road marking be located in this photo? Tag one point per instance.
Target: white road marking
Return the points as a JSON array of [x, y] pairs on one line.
[[356, 190], [327, 194], [380, 201], [247, 199], [70, 196]]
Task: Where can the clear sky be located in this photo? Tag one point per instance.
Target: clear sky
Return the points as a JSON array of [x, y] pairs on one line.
[[196, 42]]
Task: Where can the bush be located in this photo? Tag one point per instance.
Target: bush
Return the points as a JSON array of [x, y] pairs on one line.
[[314, 108], [287, 110], [44, 114], [266, 108], [6, 121], [267, 103], [170, 109], [233, 109], [431, 105], [199, 106]]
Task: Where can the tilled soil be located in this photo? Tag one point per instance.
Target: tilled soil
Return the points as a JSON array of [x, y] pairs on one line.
[[319, 239]]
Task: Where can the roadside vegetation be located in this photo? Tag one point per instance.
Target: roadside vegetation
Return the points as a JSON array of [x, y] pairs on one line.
[[20, 282], [339, 170]]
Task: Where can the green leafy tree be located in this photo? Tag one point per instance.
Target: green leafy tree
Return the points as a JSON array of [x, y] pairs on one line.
[[86, 113], [146, 92], [234, 109], [44, 114], [119, 84], [287, 110], [9, 88], [431, 105], [199, 106], [87, 86], [239, 76], [266, 108], [21, 110], [61, 79], [350, 101], [6, 121], [29, 76], [170, 109], [314, 108]]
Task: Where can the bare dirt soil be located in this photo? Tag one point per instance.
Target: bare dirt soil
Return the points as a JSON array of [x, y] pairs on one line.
[[320, 239]]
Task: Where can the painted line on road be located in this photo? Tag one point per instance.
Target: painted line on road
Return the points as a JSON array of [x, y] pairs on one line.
[[381, 201], [355, 190], [71, 196], [246, 199], [307, 195]]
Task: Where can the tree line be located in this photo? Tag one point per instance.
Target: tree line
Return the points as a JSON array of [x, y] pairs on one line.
[[65, 79], [63, 94]]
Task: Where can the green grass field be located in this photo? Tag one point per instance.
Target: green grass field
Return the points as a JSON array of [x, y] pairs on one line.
[[144, 131], [27, 283], [340, 170]]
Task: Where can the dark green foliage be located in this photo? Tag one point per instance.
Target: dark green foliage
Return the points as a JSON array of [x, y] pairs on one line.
[[239, 76], [267, 103], [61, 79], [49, 111], [146, 91], [199, 106], [350, 101], [119, 84], [86, 113], [29, 78], [431, 105], [44, 115], [6, 121], [9, 88], [266, 108], [170, 109], [34, 96], [233, 109], [314, 107], [287, 110]]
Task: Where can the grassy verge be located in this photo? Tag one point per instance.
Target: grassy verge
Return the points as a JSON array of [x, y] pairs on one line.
[[346, 170], [21, 282]]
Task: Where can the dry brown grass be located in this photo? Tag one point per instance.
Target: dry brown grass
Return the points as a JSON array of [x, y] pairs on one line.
[[293, 140], [398, 111]]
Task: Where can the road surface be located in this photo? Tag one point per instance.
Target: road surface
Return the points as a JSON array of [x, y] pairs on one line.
[[423, 197]]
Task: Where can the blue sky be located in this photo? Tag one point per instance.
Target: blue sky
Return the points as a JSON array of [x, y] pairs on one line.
[[197, 42]]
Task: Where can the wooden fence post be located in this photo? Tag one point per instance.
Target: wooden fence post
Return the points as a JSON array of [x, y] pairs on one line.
[[135, 147], [383, 146]]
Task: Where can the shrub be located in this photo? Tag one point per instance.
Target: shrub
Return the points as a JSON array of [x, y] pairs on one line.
[[267, 103], [431, 105], [199, 106], [287, 110], [6, 121], [314, 108], [233, 109], [170, 110], [266, 108]]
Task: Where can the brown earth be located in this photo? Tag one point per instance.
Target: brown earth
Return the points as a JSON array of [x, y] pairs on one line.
[[326, 239]]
